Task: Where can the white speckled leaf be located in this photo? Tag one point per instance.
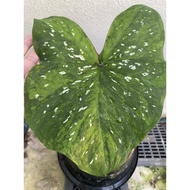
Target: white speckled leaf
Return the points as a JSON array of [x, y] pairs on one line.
[[96, 109]]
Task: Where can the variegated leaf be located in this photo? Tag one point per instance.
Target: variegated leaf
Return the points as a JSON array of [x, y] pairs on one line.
[[96, 109]]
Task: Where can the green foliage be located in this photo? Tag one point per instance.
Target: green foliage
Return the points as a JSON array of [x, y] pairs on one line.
[[96, 108]]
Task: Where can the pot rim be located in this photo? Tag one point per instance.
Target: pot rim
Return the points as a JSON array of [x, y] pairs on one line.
[[111, 181]]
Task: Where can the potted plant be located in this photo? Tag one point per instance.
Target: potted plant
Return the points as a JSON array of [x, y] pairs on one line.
[[96, 109]]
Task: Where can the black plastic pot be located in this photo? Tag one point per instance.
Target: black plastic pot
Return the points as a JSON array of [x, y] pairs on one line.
[[86, 181], [26, 127]]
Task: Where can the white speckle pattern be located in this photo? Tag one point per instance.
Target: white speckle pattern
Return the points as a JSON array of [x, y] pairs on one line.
[[66, 119], [70, 49], [65, 43], [43, 76], [51, 34], [81, 51], [86, 93], [77, 81], [65, 66], [90, 123], [80, 69], [135, 31], [72, 133], [91, 85], [91, 161], [138, 64], [66, 90], [145, 74], [114, 88], [114, 81], [55, 110], [37, 95], [70, 56], [87, 66], [82, 108], [142, 23], [132, 53], [137, 79], [46, 44], [80, 57], [83, 138], [52, 30], [120, 64], [133, 67], [96, 157], [120, 141], [127, 78], [62, 72]]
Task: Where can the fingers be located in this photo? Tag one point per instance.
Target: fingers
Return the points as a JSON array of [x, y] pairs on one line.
[[27, 43], [30, 60], [31, 57]]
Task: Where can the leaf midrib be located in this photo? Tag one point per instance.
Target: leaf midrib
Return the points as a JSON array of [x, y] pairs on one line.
[[98, 111]]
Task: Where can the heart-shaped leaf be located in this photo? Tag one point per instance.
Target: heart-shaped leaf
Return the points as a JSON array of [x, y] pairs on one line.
[[96, 109]]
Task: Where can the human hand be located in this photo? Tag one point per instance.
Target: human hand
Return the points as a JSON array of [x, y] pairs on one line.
[[31, 57]]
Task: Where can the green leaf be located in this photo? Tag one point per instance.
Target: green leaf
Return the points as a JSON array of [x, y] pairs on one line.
[[96, 109]]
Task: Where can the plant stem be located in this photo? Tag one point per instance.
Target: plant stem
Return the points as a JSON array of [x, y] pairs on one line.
[[100, 64]]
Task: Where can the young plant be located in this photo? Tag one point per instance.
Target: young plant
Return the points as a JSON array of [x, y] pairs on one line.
[[96, 109]]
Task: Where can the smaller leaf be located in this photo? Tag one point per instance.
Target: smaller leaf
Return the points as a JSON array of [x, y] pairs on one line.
[[62, 38]]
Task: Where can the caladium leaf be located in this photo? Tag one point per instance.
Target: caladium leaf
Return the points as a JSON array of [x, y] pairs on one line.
[[96, 109]]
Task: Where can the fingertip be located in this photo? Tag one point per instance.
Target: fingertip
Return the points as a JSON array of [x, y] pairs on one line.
[[27, 43]]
